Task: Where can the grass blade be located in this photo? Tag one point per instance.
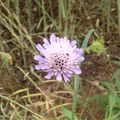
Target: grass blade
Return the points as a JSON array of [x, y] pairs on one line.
[[118, 5], [67, 113], [85, 42]]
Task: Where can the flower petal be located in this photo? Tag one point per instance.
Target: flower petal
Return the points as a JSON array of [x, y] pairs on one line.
[[59, 76], [46, 43], [66, 79], [81, 59], [39, 47], [37, 67], [65, 39], [44, 67], [48, 76], [78, 59], [52, 38], [79, 51], [38, 58], [76, 69], [73, 43]]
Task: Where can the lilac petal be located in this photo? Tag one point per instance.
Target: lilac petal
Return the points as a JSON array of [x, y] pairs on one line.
[[39, 47], [73, 43], [69, 71], [69, 75], [37, 67], [44, 67], [46, 41], [65, 39], [48, 76], [66, 79], [76, 69], [58, 39], [81, 59], [80, 51], [45, 45], [52, 38], [38, 58], [59, 76]]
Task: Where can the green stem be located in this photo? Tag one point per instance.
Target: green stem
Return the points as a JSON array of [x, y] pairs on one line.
[[77, 78], [74, 103]]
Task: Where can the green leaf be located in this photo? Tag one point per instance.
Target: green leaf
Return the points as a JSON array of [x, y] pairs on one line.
[[101, 98], [6, 57], [116, 62], [68, 113], [112, 100], [117, 84], [87, 37], [97, 46], [116, 74], [62, 8], [107, 85]]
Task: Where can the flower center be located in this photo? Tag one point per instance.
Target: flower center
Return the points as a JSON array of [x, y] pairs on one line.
[[59, 60]]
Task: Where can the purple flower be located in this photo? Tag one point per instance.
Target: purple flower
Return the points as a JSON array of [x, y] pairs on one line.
[[59, 58]]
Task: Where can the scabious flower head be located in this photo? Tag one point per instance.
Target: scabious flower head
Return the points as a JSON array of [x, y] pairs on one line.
[[59, 57]]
